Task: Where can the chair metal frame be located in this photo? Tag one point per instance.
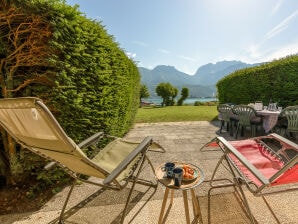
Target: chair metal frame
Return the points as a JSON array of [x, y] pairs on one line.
[[135, 160], [229, 159]]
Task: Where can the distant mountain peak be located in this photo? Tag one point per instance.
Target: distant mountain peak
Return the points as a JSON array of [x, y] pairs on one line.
[[165, 68]]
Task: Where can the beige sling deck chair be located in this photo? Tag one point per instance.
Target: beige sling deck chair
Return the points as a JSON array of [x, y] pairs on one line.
[[265, 165], [33, 126]]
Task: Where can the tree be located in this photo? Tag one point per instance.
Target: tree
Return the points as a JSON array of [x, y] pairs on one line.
[[24, 61], [184, 95], [174, 94], [25, 51], [144, 93], [167, 92]]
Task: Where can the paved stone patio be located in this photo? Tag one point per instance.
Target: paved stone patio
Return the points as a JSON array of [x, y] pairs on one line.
[[182, 141]]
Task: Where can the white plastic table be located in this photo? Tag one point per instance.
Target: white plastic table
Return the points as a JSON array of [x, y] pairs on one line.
[[269, 119]]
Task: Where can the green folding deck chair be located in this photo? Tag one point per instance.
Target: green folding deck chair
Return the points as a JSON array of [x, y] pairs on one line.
[[33, 126]]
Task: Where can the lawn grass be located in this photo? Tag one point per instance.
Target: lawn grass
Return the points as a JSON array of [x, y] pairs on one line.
[[176, 113]]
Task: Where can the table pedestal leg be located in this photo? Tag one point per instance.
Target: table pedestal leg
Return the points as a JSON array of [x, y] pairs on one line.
[[186, 206], [196, 205], [164, 202]]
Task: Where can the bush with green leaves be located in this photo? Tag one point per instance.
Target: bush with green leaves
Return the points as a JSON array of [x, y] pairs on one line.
[[144, 93], [184, 95]]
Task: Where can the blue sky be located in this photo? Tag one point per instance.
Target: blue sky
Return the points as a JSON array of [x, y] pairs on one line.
[[187, 34]]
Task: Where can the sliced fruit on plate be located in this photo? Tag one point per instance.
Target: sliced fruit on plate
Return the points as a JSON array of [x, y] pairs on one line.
[[188, 172]]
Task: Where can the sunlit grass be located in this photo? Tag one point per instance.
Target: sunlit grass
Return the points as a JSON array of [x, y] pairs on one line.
[[176, 113]]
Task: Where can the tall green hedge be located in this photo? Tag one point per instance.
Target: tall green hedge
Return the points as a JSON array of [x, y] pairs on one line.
[[95, 85], [276, 81]]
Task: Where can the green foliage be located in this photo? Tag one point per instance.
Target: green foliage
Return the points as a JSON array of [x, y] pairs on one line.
[[106, 82], [167, 92], [144, 92], [210, 103], [27, 165], [184, 95], [277, 80], [55, 177]]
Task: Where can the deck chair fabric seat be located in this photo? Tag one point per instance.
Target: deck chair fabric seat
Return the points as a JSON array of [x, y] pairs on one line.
[[258, 156], [103, 163], [33, 126], [265, 165], [110, 157]]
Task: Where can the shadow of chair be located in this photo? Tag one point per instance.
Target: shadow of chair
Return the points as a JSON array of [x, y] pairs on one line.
[[290, 127], [265, 165], [30, 123], [247, 117]]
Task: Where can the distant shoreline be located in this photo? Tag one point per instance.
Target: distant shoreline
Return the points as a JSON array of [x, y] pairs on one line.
[[187, 101]]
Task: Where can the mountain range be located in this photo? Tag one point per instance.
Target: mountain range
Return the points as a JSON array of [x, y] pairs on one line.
[[201, 84]]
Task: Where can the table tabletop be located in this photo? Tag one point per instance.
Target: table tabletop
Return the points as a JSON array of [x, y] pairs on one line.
[[186, 184], [268, 112], [270, 118]]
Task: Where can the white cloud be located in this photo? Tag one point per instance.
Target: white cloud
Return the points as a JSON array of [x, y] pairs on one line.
[[164, 51], [253, 51], [277, 6], [140, 43], [187, 58], [256, 52], [281, 26], [282, 52], [254, 55], [131, 55]]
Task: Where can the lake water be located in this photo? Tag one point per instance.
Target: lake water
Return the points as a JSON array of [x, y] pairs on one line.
[[187, 101]]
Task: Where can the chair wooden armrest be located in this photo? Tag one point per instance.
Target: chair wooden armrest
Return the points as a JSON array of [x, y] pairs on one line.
[[50, 165], [89, 141]]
